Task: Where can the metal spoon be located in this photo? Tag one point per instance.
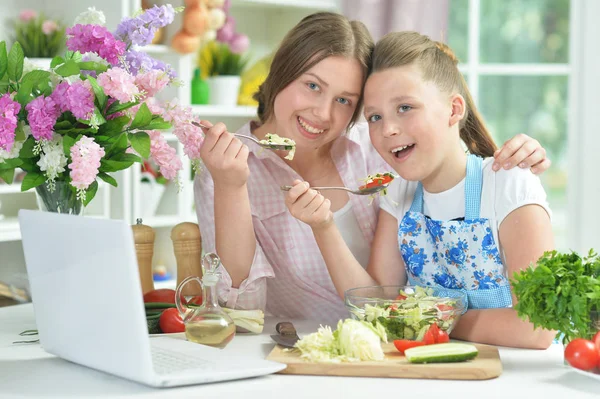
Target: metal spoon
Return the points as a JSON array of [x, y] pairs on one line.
[[366, 191], [270, 146]]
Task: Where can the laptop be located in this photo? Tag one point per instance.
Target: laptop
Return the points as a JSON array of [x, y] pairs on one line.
[[89, 309]]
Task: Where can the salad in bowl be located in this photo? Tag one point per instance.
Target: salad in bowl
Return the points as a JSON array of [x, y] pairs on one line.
[[406, 312]]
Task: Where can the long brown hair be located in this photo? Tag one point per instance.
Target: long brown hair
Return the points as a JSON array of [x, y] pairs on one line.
[[313, 39], [438, 64]]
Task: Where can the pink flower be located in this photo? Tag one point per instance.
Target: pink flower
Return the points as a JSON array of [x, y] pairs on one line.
[[164, 155], [86, 155], [77, 98], [27, 15], [119, 84], [151, 82], [9, 110], [96, 39], [49, 26], [189, 135], [42, 113]]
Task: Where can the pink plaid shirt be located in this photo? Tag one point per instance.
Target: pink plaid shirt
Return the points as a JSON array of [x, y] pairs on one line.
[[288, 277]]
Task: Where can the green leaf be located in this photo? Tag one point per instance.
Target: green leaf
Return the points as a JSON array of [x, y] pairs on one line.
[[32, 180], [29, 165], [90, 192], [140, 142], [15, 62], [98, 92], [7, 175], [3, 59], [142, 118], [118, 107], [36, 76], [119, 146], [24, 96], [69, 68], [128, 158], [158, 124], [107, 165], [10, 163], [68, 142], [20, 132], [27, 149], [113, 127], [108, 178], [93, 66], [56, 61]]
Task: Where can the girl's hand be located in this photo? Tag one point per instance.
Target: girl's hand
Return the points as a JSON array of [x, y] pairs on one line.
[[524, 151], [309, 206], [225, 156]]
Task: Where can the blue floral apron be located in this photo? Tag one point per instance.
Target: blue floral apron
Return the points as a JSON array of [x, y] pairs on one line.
[[456, 254]]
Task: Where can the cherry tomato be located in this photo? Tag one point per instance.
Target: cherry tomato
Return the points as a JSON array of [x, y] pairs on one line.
[[429, 338], [170, 321], [442, 337], [377, 181], [400, 297], [404, 344], [582, 354], [197, 300]]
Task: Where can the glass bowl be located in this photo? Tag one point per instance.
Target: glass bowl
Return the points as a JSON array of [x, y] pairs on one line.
[[406, 312]]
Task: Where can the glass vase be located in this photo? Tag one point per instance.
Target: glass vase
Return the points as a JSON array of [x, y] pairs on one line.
[[61, 199]]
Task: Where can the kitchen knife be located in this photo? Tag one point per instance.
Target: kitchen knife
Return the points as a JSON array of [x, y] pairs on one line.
[[286, 334]]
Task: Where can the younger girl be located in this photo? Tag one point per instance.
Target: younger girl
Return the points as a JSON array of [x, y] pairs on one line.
[[451, 221]]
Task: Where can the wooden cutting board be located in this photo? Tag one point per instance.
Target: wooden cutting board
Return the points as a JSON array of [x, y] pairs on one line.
[[485, 366]]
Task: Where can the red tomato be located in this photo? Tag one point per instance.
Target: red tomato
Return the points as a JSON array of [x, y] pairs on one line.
[[404, 344], [377, 181], [442, 337], [170, 321], [164, 295], [429, 338], [582, 354], [400, 297]]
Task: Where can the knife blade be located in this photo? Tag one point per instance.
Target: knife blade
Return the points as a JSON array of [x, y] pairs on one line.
[[286, 334]]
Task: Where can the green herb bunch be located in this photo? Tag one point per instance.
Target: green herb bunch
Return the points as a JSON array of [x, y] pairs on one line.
[[38, 35], [560, 293]]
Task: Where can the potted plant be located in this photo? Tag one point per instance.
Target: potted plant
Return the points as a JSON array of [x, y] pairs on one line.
[[562, 293], [222, 62], [40, 37], [91, 115]]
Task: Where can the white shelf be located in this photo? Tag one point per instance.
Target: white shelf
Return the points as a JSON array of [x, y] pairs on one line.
[[206, 111], [330, 5], [10, 188]]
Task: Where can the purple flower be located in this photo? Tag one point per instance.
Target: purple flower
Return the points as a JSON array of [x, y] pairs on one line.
[[8, 121], [136, 61], [42, 115], [97, 39], [140, 30]]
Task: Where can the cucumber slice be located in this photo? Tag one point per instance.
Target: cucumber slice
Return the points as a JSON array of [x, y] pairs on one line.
[[441, 353]]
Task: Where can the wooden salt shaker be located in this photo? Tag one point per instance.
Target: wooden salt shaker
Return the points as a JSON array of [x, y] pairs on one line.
[[144, 247], [187, 245]]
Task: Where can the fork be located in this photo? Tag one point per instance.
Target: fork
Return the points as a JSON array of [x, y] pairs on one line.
[[366, 191], [270, 146]]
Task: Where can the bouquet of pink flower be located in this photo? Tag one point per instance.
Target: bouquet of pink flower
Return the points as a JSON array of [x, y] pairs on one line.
[[38, 35], [94, 112]]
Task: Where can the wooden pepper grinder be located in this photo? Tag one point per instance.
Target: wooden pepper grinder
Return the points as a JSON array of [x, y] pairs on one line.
[[187, 245], [144, 248]]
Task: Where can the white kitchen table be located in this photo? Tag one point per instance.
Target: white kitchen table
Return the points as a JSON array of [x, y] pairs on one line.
[[27, 371]]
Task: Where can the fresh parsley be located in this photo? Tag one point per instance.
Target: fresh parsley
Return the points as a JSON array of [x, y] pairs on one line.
[[560, 293]]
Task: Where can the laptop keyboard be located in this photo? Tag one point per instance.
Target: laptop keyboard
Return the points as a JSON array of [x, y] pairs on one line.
[[168, 361]]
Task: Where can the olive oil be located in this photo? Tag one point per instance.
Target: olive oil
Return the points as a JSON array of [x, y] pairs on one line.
[[212, 332]]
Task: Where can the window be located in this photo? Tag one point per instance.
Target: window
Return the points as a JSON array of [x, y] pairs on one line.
[[515, 57]]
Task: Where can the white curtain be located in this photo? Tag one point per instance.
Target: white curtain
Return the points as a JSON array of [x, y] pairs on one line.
[[429, 17]]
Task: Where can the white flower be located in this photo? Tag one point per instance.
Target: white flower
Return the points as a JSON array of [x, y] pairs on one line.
[[52, 160], [91, 17]]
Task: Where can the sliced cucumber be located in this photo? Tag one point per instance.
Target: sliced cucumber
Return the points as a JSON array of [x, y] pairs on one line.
[[441, 353]]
